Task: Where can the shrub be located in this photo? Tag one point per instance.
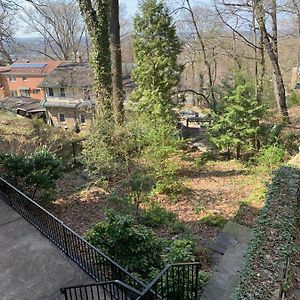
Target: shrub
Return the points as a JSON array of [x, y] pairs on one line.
[[214, 220], [133, 246], [108, 150], [155, 216], [270, 157], [269, 134], [139, 184], [178, 228], [39, 170], [181, 251], [202, 159]]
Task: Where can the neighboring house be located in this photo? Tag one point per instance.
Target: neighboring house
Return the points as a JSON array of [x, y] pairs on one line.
[[24, 106], [69, 100], [23, 78], [4, 88]]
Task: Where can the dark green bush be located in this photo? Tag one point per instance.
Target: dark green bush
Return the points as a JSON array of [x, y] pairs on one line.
[[38, 171], [133, 246]]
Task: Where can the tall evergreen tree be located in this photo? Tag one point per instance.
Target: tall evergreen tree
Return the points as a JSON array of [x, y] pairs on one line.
[[156, 47]]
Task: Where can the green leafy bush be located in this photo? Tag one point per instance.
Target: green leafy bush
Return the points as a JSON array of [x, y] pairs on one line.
[[110, 149], [271, 157], [181, 251], [178, 228], [140, 185], [214, 220], [38, 171], [133, 246], [155, 216]]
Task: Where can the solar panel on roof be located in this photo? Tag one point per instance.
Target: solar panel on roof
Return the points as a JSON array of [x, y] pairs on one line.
[[28, 65]]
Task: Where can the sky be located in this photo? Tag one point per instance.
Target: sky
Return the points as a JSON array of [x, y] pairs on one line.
[[131, 6]]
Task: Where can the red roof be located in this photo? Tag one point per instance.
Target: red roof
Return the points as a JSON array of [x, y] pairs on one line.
[[43, 68]]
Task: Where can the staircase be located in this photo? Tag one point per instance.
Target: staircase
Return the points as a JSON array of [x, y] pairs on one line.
[[232, 244], [111, 281]]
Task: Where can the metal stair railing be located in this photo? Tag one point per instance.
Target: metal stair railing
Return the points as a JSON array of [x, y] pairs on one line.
[[94, 262], [175, 282], [101, 291]]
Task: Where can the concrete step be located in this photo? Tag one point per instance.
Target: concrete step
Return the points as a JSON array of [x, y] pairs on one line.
[[233, 242]]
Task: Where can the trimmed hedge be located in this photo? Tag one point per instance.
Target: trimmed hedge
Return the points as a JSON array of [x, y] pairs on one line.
[[273, 240]]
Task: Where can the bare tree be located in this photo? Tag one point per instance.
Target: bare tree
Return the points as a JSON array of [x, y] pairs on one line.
[[198, 42], [7, 26], [240, 18], [264, 21], [60, 25]]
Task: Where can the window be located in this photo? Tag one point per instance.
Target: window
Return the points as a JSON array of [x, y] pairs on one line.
[[14, 93], [50, 92], [62, 92], [297, 87], [36, 91], [61, 118], [25, 93], [86, 94], [13, 78], [24, 78], [82, 119]]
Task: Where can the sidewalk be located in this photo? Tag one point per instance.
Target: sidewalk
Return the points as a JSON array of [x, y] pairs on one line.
[[31, 267]]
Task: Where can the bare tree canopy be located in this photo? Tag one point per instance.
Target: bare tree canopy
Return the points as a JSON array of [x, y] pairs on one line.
[[60, 25], [7, 30]]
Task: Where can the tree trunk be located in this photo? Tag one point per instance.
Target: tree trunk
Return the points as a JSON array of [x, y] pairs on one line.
[[97, 22], [116, 62], [271, 47]]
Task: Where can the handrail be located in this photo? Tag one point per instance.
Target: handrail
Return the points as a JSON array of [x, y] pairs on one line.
[[101, 290], [175, 282], [93, 261]]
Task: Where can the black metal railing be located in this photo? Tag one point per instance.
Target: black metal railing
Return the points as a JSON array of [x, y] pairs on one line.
[[175, 282], [101, 291], [98, 265]]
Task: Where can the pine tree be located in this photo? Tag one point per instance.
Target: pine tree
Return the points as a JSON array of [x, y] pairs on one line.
[[236, 125], [156, 47]]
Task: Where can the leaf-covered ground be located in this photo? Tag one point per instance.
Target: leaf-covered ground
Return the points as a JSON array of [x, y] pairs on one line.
[[218, 191]]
